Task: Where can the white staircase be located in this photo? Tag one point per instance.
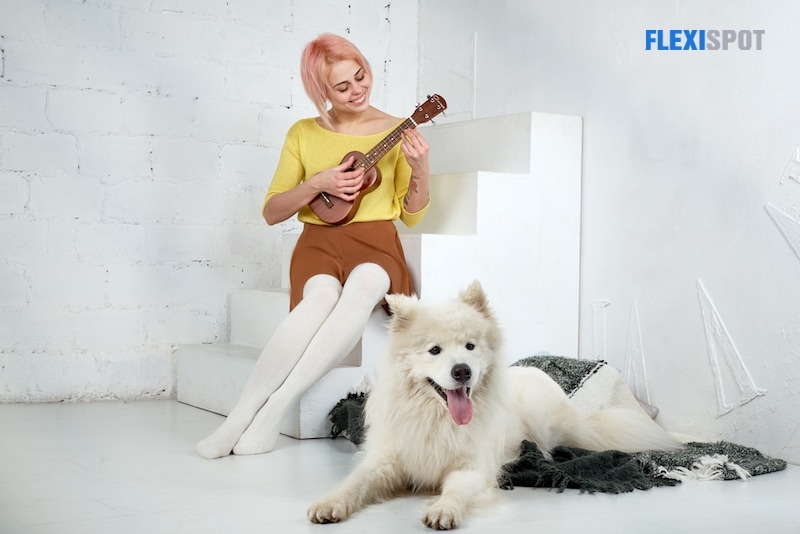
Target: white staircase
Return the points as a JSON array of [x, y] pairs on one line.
[[505, 210]]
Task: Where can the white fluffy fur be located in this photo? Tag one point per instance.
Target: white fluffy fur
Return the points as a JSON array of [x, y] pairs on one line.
[[413, 443]]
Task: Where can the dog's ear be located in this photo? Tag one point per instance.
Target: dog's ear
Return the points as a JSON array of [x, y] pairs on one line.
[[475, 297], [401, 307]]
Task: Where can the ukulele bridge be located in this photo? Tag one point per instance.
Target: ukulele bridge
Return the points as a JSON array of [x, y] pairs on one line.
[[326, 200]]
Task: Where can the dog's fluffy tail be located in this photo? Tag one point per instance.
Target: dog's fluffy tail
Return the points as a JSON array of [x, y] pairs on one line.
[[621, 429]]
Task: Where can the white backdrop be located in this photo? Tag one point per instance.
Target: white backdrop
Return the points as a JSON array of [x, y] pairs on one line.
[[690, 273]]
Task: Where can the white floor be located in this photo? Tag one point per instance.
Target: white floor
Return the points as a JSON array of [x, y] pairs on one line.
[[113, 467]]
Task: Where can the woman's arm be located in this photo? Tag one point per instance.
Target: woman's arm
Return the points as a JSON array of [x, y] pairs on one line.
[[337, 181], [415, 148]]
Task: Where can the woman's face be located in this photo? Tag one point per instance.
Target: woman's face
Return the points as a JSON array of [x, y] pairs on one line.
[[349, 87]]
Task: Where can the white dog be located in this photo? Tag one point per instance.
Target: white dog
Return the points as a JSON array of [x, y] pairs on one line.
[[446, 413]]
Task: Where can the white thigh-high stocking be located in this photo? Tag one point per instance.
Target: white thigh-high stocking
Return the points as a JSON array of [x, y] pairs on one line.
[[367, 284], [284, 349]]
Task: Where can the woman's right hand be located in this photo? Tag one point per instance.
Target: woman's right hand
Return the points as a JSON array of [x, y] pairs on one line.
[[341, 181]]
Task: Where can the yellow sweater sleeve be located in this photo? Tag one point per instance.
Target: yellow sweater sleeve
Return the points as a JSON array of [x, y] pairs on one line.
[[310, 149]]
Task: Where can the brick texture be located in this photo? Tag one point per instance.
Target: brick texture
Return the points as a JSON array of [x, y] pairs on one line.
[[137, 139]]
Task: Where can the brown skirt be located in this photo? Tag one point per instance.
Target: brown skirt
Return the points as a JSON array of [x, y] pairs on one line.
[[337, 250]]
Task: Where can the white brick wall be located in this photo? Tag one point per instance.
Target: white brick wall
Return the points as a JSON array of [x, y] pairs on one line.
[[137, 138]]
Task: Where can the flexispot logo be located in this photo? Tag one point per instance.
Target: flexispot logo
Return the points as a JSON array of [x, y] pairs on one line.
[[703, 39]]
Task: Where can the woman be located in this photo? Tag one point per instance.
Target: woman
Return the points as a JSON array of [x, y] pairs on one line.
[[338, 273]]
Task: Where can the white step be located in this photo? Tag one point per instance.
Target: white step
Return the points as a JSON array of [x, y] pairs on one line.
[[212, 377], [255, 314], [518, 239], [516, 143]]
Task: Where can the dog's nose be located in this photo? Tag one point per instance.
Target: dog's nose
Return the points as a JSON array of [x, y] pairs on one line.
[[461, 373]]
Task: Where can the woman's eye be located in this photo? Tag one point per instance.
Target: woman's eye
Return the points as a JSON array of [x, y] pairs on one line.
[[435, 350], [470, 346]]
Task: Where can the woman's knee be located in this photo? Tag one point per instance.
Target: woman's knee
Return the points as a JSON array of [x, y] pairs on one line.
[[323, 289], [371, 277]]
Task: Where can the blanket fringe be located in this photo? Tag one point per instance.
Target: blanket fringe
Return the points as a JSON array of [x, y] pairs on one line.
[[706, 468]]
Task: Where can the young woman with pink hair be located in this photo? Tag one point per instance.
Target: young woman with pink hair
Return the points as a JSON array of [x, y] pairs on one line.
[[339, 273]]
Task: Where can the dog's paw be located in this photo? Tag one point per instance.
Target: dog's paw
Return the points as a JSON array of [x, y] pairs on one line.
[[441, 516], [329, 511]]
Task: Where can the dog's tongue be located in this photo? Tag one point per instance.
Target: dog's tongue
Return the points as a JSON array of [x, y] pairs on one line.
[[460, 405]]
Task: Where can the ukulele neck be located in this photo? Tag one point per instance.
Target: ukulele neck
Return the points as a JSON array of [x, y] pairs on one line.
[[381, 149]]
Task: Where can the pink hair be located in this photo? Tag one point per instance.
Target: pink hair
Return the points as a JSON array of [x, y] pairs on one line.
[[315, 64]]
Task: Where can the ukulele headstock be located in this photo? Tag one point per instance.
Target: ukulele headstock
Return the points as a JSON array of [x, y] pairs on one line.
[[429, 109]]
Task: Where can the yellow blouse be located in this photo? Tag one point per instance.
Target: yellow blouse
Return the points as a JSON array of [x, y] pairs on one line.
[[310, 148]]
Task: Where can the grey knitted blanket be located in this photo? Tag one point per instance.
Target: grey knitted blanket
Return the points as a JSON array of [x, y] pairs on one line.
[[590, 471]]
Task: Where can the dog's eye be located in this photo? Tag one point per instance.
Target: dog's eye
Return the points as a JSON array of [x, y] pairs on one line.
[[436, 349], [470, 346]]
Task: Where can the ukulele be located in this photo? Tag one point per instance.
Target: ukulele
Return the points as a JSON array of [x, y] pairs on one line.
[[334, 210]]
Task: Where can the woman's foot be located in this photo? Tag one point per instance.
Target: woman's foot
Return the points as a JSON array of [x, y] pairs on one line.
[[220, 443], [261, 435]]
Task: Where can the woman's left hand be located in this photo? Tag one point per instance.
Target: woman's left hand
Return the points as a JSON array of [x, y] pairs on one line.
[[416, 149]]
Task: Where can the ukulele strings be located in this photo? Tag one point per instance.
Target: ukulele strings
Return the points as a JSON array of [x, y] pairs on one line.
[[372, 157]]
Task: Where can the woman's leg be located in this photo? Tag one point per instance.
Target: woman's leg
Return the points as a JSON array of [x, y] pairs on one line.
[[284, 349], [367, 284]]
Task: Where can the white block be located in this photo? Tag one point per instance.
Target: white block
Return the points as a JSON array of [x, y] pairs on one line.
[[22, 18], [213, 376], [158, 33], [128, 285], [249, 241], [107, 328], [185, 159], [203, 202], [44, 153], [254, 83], [13, 286], [230, 122], [453, 208], [22, 107], [178, 323], [114, 70], [271, 18], [39, 63], [256, 314], [231, 43], [82, 25], [110, 243], [138, 201], [25, 241], [68, 284], [159, 115], [67, 197], [13, 193], [507, 143], [189, 76], [246, 163], [115, 157], [528, 262], [500, 144], [181, 243], [192, 8]]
